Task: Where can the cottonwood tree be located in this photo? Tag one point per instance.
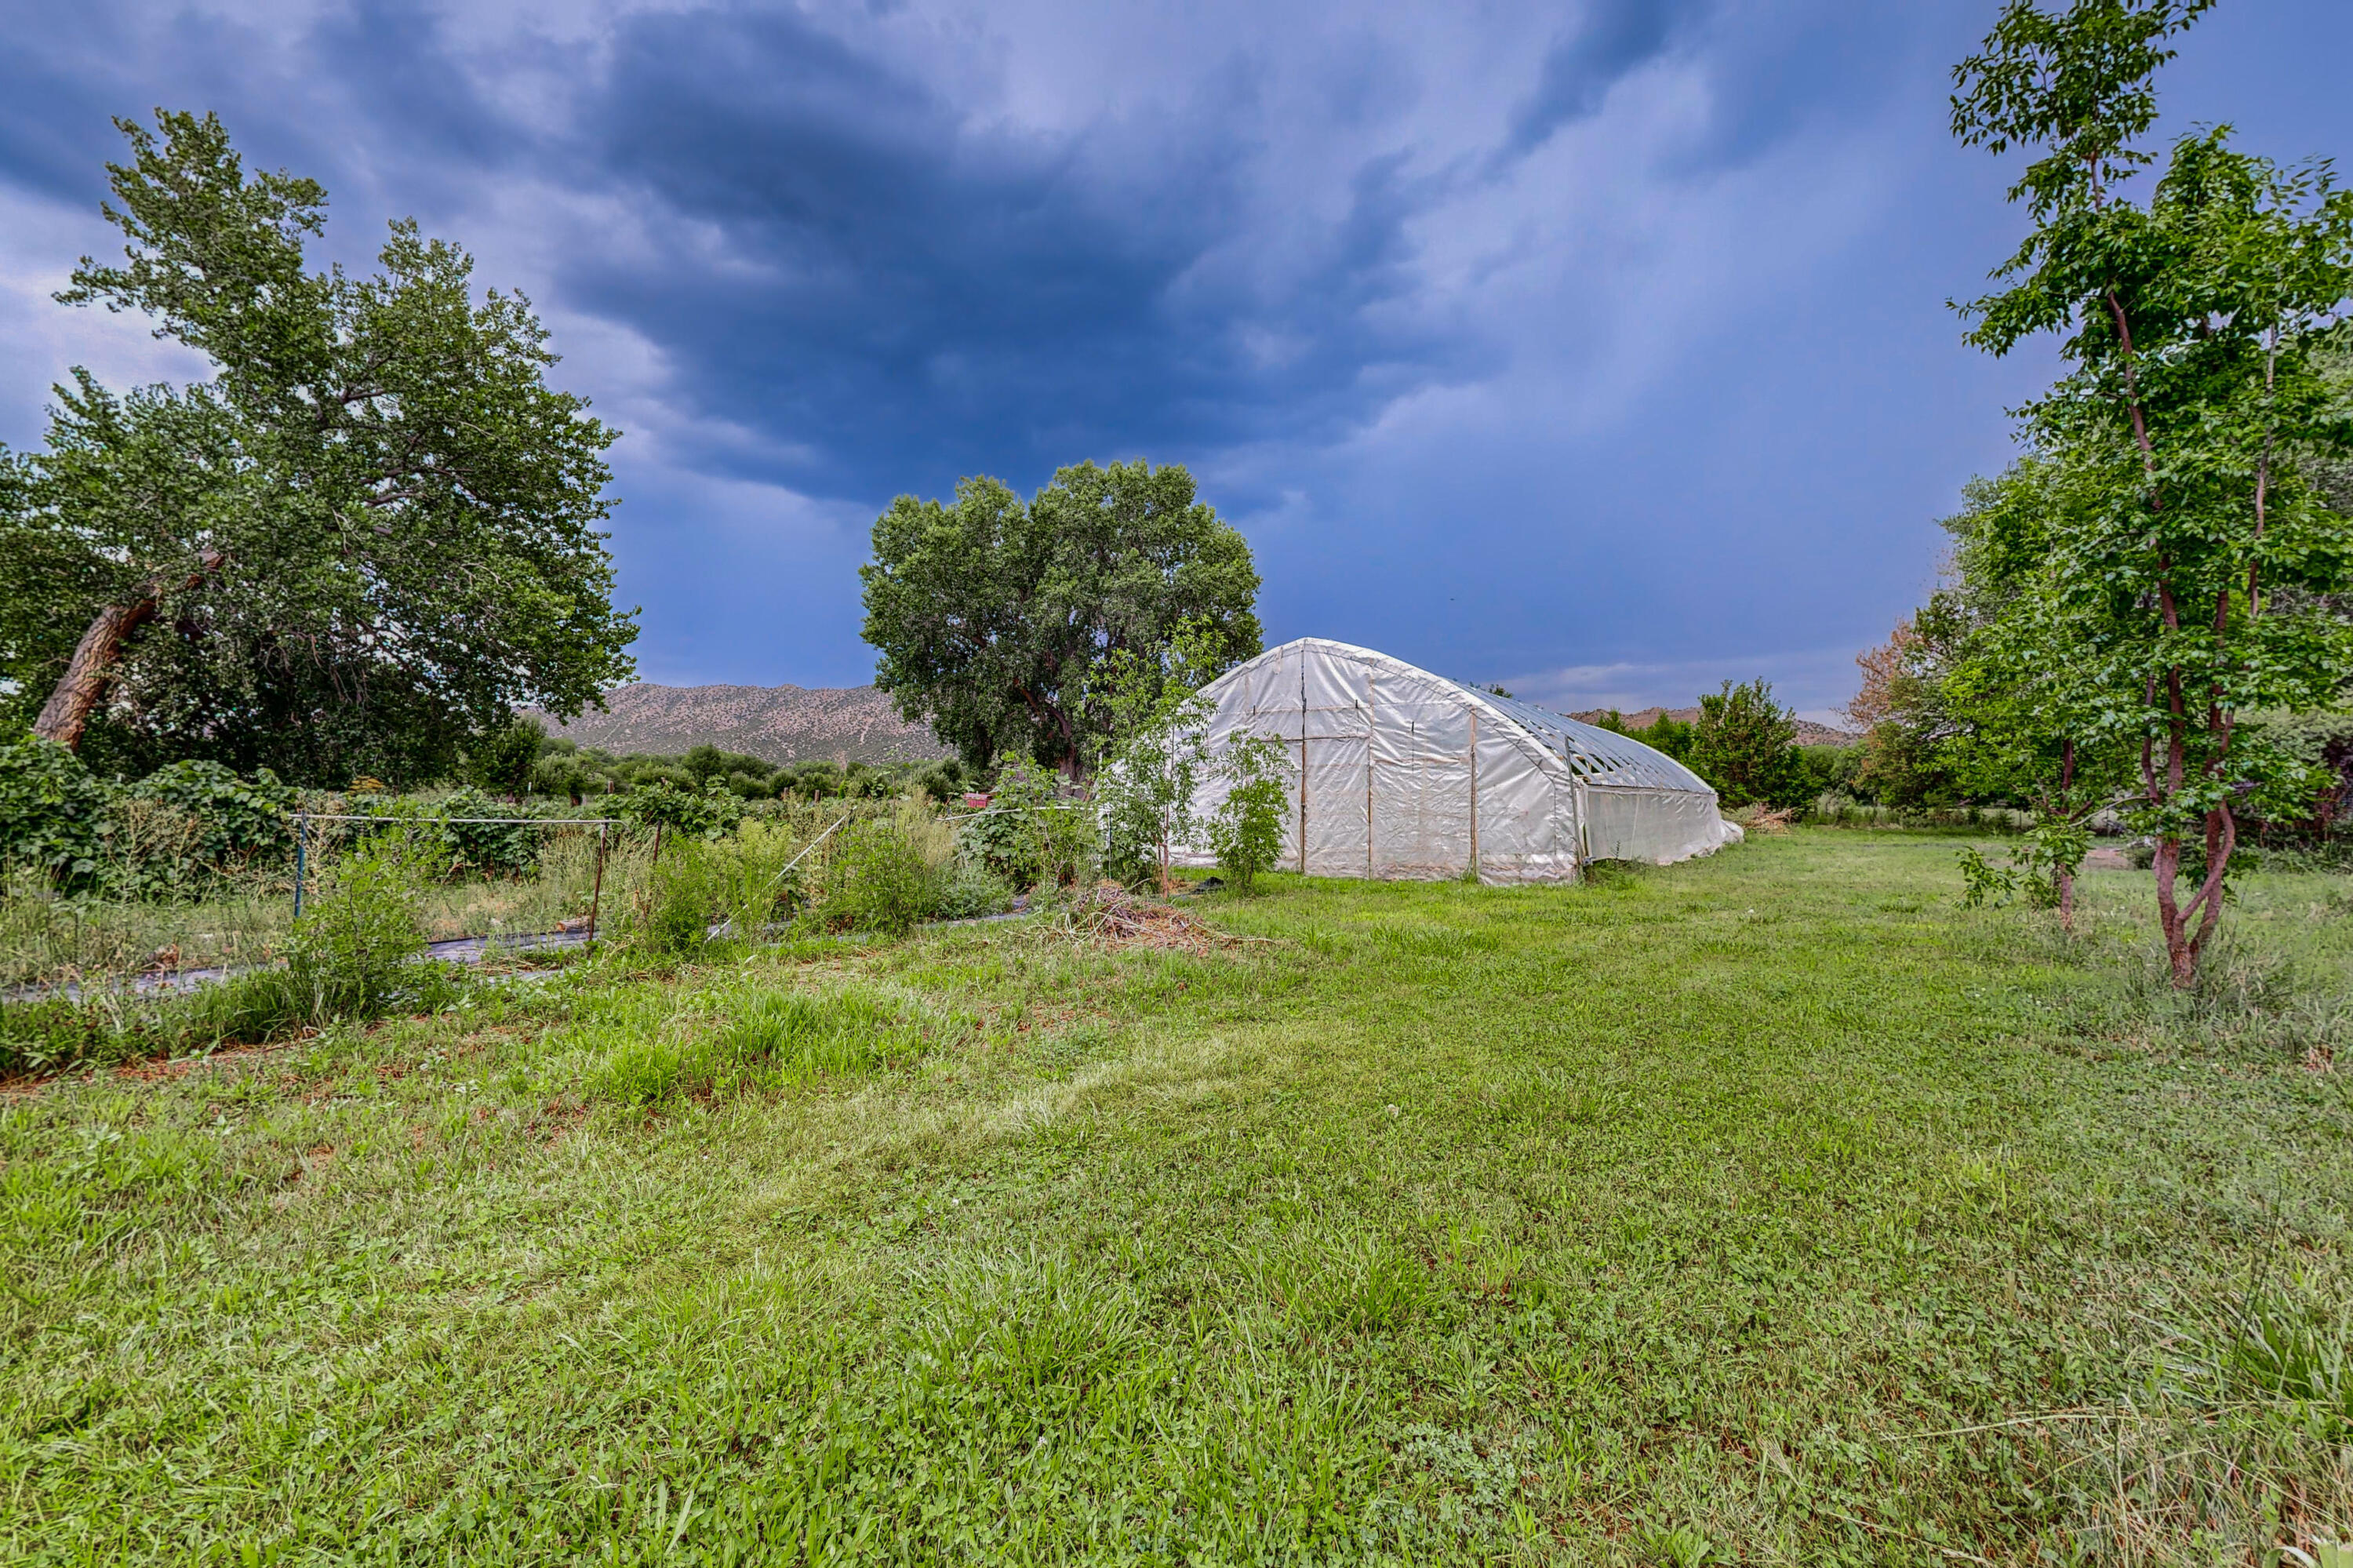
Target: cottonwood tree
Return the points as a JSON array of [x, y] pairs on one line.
[[1744, 744], [375, 516], [995, 618], [2193, 405]]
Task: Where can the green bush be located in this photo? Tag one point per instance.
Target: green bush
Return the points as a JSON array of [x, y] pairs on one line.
[[745, 884], [943, 780], [1009, 837], [501, 761], [1744, 746], [709, 814], [1246, 828], [563, 776], [1129, 836], [350, 954], [52, 811], [679, 904], [968, 890], [492, 849], [239, 821], [879, 881]]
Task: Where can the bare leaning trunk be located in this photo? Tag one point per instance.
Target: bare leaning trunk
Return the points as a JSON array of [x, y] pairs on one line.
[[79, 690], [67, 713]]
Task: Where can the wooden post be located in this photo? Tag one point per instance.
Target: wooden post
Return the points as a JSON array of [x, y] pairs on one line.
[[1302, 767], [1369, 690], [596, 897], [1474, 794]]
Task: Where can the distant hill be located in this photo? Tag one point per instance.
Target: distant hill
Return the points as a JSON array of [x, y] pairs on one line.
[[1809, 732], [779, 724]]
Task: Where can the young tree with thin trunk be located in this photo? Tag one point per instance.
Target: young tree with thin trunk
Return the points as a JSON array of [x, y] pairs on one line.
[[2192, 402]]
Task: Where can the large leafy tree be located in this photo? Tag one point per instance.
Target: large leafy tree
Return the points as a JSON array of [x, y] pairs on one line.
[[1744, 744], [2195, 402], [995, 618], [374, 529]]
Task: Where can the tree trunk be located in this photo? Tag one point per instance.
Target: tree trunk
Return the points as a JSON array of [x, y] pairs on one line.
[[2166, 865], [67, 713], [2184, 946]]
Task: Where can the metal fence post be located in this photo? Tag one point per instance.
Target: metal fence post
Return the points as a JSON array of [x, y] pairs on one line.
[[302, 824]]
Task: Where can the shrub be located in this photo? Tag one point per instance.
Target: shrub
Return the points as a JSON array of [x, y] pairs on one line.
[[743, 884], [1068, 844], [349, 955], [52, 811], [1246, 828], [968, 890], [239, 821], [943, 780], [1158, 759], [492, 849], [149, 851], [817, 780], [501, 761], [1128, 837], [680, 900], [562, 776], [710, 813], [1008, 838], [1744, 746], [879, 881]]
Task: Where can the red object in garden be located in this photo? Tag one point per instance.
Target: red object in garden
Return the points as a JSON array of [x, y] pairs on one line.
[[975, 802]]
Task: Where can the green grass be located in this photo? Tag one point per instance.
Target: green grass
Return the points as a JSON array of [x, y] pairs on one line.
[[1765, 1209]]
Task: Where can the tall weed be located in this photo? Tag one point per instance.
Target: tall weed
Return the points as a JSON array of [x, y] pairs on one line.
[[352, 951], [880, 881], [2231, 1450]]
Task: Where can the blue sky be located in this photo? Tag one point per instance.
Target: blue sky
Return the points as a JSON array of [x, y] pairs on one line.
[[1596, 348]]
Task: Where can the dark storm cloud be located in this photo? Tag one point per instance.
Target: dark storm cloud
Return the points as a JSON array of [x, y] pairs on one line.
[[1611, 38], [393, 67], [908, 294], [1588, 345]]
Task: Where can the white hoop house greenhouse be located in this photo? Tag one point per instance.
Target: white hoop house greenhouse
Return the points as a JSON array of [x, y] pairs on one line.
[[1398, 773]]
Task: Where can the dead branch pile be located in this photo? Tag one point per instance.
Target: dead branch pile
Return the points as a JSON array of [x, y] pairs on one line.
[[1112, 916]]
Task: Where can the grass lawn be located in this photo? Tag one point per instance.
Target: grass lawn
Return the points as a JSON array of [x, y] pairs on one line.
[[1767, 1209]]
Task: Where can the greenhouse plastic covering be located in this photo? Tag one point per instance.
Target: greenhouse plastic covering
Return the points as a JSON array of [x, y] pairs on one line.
[[1398, 773]]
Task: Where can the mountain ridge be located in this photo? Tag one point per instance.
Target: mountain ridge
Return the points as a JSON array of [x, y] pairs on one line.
[[776, 723]]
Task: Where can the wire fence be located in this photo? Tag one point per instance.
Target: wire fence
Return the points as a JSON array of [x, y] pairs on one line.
[[604, 826]]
